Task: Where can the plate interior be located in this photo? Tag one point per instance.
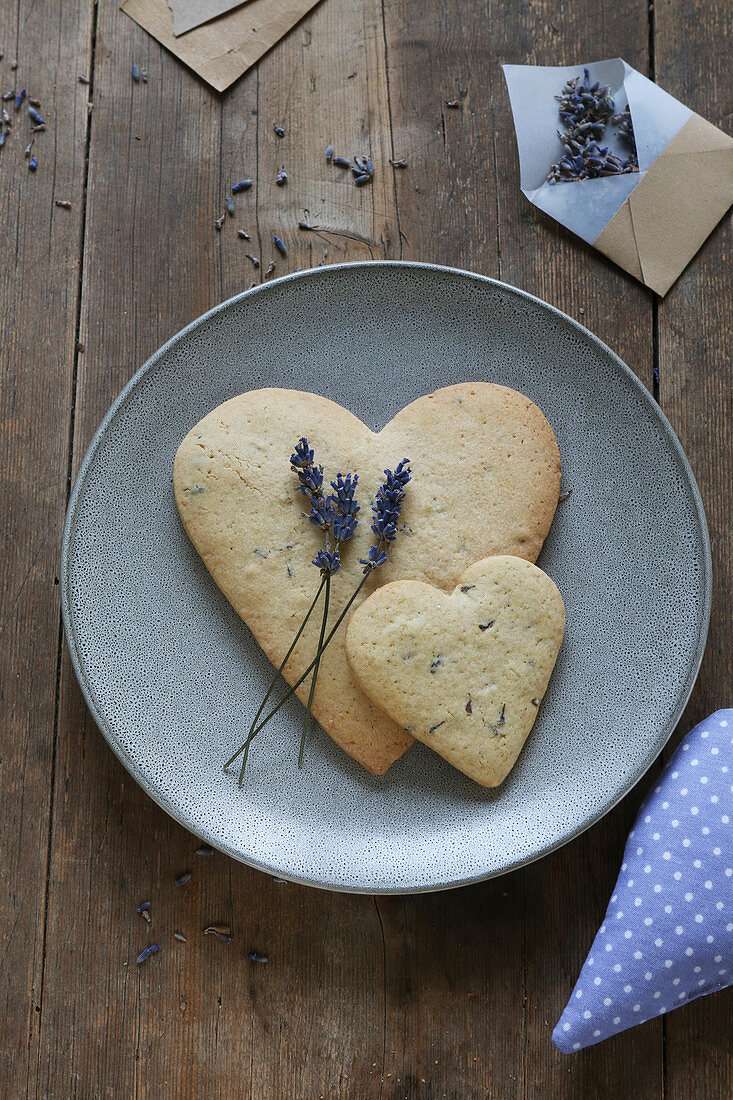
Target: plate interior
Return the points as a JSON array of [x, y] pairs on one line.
[[171, 673]]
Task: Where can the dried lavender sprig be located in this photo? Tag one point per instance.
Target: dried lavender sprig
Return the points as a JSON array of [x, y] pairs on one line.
[[385, 517], [345, 509], [335, 514], [283, 663], [329, 567]]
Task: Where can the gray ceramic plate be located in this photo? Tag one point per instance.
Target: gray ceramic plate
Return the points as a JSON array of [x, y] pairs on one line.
[[171, 674]]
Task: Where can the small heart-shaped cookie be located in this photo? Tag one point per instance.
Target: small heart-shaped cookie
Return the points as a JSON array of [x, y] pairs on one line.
[[465, 672], [485, 480]]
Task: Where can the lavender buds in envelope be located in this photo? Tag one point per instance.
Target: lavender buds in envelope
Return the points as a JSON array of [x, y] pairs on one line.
[[651, 222]]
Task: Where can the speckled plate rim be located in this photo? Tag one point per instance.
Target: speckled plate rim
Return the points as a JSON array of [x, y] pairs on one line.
[[198, 828]]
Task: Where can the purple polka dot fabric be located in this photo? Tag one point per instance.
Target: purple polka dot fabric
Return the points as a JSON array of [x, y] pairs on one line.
[[667, 936]]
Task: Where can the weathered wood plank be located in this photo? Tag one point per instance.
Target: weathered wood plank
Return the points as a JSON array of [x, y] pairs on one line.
[[459, 203], [311, 1020], [692, 55], [40, 250]]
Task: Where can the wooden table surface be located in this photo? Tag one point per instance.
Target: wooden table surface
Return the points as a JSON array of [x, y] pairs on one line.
[[446, 995]]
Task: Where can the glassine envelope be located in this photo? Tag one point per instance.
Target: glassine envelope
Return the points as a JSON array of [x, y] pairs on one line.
[[650, 222]]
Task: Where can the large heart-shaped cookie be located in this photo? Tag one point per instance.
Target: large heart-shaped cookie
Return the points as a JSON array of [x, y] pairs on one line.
[[464, 672], [486, 478]]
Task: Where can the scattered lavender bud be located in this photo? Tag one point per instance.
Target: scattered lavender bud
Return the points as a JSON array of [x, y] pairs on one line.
[[135, 73], [255, 261], [28, 148], [143, 907], [83, 79], [32, 164], [453, 104], [255, 958], [3, 137], [655, 373], [178, 936], [34, 102], [146, 916], [144, 75], [360, 180], [564, 495], [14, 64], [270, 268], [340, 162], [278, 130], [219, 222], [282, 178], [280, 881], [280, 245], [19, 99], [36, 117], [401, 163], [204, 850], [329, 154], [243, 185], [243, 234], [2, 55], [40, 129], [7, 96], [230, 206], [6, 118], [147, 952], [183, 879], [305, 225], [222, 932]]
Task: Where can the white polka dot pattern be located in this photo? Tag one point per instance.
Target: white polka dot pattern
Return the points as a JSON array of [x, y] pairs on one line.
[[668, 933]]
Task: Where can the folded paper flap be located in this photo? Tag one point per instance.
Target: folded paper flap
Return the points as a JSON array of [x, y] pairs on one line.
[[698, 136], [618, 242], [188, 14], [221, 51], [674, 207]]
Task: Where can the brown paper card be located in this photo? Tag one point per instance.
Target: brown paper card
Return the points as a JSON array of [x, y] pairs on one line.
[[674, 208], [188, 14], [221, 51]]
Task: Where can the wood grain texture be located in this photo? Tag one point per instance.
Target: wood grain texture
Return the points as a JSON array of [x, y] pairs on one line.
[[696, 392], [40, 250], [449, 995]]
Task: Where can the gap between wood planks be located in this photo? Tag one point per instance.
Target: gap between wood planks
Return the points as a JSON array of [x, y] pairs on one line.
[[72, 418]]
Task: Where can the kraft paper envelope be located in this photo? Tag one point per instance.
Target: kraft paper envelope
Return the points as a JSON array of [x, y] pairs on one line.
[[650, 222], [188, 14], [221, 51]]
